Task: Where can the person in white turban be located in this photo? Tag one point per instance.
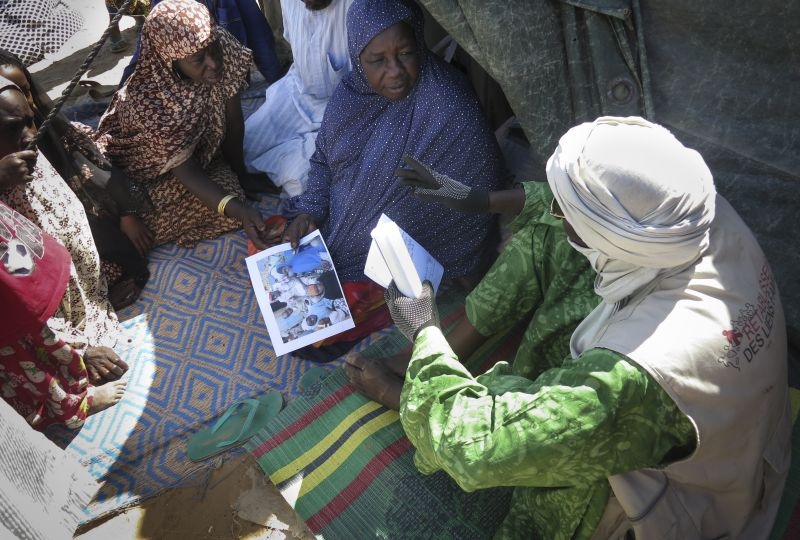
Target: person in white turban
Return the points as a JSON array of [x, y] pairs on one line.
[[668, 414]]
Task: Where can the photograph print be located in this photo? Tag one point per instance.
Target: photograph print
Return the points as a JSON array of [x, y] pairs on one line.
[[299, 293]]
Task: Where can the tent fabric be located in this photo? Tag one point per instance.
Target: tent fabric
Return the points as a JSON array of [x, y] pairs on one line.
[[722, 80]]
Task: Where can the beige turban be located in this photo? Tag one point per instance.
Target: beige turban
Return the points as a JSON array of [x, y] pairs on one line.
[[633, 192]]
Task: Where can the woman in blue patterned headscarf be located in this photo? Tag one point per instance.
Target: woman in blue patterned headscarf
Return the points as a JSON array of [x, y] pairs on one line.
[[399, 99]]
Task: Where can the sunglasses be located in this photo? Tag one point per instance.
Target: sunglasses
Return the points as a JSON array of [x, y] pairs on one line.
[[555, 210]]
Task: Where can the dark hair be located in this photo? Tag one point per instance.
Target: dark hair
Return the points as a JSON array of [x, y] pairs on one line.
[[50, 144], [9, 58], [40, 99]]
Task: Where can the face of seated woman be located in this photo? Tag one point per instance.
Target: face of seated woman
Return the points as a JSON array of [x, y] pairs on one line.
[[391, 63], [204, 66], [16, 123]]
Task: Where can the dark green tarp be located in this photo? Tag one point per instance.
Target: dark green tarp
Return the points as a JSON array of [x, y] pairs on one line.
[[723, 76]]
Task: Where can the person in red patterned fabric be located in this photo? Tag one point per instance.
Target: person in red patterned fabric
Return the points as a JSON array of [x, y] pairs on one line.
[[109, 199], [41, 376], [42, 372], [176, 127], [31, 186]]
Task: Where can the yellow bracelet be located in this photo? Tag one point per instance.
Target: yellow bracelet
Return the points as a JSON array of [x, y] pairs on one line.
[[223, 202]]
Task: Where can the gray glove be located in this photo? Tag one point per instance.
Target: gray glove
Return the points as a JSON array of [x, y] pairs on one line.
[[432, 186], [412, 314]]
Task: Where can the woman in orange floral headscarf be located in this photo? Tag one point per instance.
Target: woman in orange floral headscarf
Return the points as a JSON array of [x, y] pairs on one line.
[[176, 127]]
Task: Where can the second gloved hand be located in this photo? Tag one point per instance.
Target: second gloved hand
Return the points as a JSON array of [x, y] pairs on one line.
[[412, 314], [432, 186]]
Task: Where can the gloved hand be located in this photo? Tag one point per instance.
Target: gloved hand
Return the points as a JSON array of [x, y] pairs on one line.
[[412, 314], [432, 186]]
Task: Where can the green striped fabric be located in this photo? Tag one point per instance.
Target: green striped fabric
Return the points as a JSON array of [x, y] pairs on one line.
[[345, 465]]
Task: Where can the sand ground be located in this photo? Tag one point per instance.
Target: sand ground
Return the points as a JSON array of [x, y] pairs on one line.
[[238, 501]]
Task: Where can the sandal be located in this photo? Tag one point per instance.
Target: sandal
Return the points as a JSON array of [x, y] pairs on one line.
[[240, 422], [127, 290], [123, 293], [312, 377], [119, 46], [97, 91]]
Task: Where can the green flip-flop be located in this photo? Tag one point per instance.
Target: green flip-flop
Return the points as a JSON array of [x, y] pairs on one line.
[[311, 377], [240, 422]]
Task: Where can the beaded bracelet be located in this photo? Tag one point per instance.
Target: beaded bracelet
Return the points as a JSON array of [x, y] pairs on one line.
[[223, 202]]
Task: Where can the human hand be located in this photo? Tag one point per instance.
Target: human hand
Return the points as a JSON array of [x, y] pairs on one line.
[[137, 232], [275, 226], [103, 364], [17, 168], [298, 228], [412, 314], [253, 225], [431, 186]]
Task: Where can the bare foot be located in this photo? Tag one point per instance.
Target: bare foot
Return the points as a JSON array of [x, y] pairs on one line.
[[107, 395], [103, 364], [375, 379]]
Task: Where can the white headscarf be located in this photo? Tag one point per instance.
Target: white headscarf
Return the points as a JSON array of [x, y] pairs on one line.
[[639, 199]]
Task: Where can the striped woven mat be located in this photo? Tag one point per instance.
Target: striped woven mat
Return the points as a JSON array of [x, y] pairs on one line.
[[344, 463]]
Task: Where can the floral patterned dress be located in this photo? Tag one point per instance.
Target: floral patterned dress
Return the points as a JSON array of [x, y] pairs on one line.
[[41, 376], [85, 317], [157, 121], [45, 380]]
